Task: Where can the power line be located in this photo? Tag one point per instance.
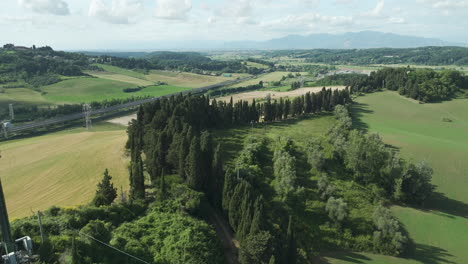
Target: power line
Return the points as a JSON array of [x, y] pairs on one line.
[[104, 243], [123, 252]]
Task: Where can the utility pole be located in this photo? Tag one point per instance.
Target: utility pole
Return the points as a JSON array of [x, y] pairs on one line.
[[87, 116], [12, 113], [40, 226], [5, 129], [5, 223]]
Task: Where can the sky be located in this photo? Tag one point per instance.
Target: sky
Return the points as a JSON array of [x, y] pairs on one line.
[[145, 24]]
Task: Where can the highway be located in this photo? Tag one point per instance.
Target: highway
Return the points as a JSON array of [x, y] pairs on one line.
[[70, 117]]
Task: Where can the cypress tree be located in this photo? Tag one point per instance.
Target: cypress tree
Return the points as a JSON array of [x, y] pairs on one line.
[[274, 106], [194, 174], [280, 109], [137, 183], [234, 205], [206, 147], [105, 193], [181, 158], [258, 218], [228, 190], [245, 222], [287, 108], [229, 112], [215, 183], [308, 103]]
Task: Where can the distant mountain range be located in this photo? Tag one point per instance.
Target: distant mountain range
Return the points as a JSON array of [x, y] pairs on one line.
[[351, 40]]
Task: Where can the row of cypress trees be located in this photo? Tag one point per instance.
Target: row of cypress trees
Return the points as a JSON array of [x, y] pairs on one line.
[[173, 136]]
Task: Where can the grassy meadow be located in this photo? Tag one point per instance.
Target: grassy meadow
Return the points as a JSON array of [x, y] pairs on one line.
[[61, 168], [440, 228], [97, 89], [109, 84]]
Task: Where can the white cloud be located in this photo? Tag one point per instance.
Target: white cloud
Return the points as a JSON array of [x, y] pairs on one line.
[[173, 9], [344, 2], [396, 20], [377, 11], [307, 21], [309, 2], [119, 12], [55, 7], [445, 4]]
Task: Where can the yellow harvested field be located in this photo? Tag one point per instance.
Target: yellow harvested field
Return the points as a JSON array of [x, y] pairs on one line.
[[60, 169], [249, 96], [121, 78], [269, 77], [185, 79]]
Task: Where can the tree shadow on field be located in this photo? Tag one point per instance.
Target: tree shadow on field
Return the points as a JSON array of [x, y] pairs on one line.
[[438, 202], [358, 110], [350, 257], [430, 254]]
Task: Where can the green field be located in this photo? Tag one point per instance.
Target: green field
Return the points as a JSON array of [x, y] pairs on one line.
[[61, 168], [297, 129], [97, 89], [439, 229], [109, 84], [182, 79], [22, 96]]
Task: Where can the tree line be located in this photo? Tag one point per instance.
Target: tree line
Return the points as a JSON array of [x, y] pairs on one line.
[[425, 85], [418, 56], [173, 134]]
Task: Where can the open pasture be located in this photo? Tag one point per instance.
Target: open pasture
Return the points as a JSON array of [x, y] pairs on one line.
[[61, 168], [436, 133]]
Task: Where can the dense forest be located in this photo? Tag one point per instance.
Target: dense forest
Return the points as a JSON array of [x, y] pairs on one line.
[[38, 66], [418, 56], [425, 85], [181, 61]]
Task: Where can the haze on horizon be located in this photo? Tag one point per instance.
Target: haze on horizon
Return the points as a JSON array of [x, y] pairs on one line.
[[143, 24]]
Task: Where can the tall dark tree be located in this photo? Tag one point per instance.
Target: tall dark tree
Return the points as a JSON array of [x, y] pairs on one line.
[[287, 108], [215, 182], [137, 179], [194, 169], [258, 216], [206, 158], [105, 193]]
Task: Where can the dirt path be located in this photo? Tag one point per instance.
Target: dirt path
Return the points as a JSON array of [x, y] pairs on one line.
[[123, 120], [225, 235], [249, 96]]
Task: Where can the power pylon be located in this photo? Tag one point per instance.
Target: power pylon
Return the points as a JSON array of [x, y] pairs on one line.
[[12, 113], [87, 116]]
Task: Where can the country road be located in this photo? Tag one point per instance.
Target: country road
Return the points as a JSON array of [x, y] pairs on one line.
[[225, 234]]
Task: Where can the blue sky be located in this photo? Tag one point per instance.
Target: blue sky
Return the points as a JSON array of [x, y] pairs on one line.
[[136, 24]]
